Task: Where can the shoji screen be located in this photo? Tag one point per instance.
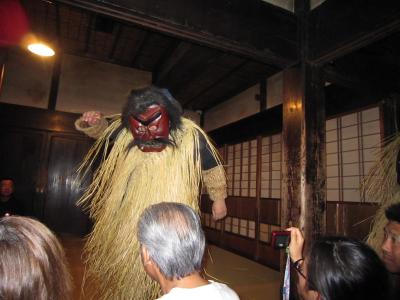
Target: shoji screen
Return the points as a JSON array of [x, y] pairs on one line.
[[271, 169], [241, 172], [241, 169], [351, 141], [271, 160]]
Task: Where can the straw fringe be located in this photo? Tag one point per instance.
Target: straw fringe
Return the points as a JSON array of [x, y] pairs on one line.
[[123, 186], [380, 184]]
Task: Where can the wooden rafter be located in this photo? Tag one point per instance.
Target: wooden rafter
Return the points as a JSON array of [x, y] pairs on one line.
[[215, 83], [244, 27], [169, 63], [142, 41], [116, 41], [344, 26]]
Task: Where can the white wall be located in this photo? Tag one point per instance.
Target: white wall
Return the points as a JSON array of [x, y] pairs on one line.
[[244, 104], [85, 84], [238, 107], [275, 90], [27, 79]]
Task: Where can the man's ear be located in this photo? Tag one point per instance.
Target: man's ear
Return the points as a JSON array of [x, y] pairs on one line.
[[145, 256]]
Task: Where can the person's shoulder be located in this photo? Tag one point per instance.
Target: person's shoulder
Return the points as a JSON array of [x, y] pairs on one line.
[[225, 291], [174, 294]]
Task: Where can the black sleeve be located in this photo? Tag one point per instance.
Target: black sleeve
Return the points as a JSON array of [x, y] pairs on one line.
[[207, 159]]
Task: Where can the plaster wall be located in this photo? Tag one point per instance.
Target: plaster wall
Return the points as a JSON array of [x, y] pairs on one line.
[[236, 108], [85, 84], [244, 104], [27, 79]]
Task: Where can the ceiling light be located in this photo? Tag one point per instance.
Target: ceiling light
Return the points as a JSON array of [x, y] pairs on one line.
[[41, 49]]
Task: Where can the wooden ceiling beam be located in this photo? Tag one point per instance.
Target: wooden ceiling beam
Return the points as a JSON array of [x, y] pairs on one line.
[[88, 34], [343, 79], [115, 42], [341, 27], [201, 70], [169, 63], [144, 35], [251, 29], [223, 77]]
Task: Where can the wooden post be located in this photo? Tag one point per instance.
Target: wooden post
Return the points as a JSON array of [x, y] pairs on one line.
[[304, 166], [55, 80]]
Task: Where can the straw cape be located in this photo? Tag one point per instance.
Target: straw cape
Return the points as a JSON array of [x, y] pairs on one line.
[[381, 185], [126, 182]]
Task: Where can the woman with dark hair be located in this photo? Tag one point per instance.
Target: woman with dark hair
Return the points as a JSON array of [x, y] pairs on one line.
[[32, 262], [337, 268]]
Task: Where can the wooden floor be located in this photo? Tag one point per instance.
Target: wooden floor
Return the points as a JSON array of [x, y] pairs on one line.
[[250, 280]]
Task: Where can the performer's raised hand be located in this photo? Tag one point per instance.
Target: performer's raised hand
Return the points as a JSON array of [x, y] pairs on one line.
[[92, 118], [219, 209]]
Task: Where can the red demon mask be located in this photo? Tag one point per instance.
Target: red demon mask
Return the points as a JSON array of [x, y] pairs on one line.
[[150, 129]]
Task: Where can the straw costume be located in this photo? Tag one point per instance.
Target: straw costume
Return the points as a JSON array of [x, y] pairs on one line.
[[143, 167], [383, 185]]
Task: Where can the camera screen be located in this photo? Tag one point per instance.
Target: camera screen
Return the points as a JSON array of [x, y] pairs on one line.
[[280, 239]]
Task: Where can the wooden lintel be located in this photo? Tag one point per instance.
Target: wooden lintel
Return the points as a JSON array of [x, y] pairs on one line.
[[250, 127], [350, 81], [37, 118]]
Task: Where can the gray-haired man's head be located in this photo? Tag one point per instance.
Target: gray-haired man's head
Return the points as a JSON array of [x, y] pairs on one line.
[[173, 237]]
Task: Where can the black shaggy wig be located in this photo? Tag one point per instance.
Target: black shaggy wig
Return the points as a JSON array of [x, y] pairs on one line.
[[139, 100]]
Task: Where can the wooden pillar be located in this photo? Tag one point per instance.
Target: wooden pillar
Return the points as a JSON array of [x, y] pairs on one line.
[[304, 166], [55, 80], [303, 133], [55, 77]]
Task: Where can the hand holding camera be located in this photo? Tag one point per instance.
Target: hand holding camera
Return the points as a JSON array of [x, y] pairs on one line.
[[292, 238]]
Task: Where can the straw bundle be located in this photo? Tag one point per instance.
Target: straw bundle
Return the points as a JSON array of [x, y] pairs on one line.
[[381, 185]]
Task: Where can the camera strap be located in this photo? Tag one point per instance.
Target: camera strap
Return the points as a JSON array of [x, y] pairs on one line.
[[286, 278]]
